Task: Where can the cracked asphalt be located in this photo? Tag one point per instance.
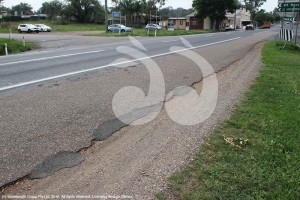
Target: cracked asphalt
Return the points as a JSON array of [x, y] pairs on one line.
[[134, 160]]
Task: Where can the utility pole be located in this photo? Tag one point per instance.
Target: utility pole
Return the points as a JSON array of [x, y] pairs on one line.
[[106, 17], [235, 19]]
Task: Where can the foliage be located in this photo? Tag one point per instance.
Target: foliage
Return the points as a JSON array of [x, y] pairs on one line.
[[86, 10], [253, 5], [255, 154], [138, 11], [22, 8], [52, 9], [14, 46], [171, 12], [262, 16], [215, 9]]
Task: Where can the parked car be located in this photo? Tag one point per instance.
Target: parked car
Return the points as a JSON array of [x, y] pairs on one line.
[[115, 28], [29, 28], [266, 25], [153, 27], [229, 27], [43, 28], [250, 27]]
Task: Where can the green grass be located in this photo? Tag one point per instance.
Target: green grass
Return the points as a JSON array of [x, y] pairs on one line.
[[56, 26], [144, 33], [14, 46], [68, 27], [256, 153]]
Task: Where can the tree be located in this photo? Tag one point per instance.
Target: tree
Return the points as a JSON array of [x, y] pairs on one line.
[[86, 10], [1, 1], [215, 9], [253, 6], [22, 8], [52, 9]]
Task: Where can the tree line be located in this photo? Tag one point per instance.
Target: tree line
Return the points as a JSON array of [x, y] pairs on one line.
[[139, 12], [217, 9]]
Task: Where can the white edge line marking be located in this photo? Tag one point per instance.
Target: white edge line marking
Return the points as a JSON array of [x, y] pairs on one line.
[[171, 41], [110, 65], [48, 58]]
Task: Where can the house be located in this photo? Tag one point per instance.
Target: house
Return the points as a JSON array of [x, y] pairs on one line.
[[177, 23], [195, 23], [240, 18]]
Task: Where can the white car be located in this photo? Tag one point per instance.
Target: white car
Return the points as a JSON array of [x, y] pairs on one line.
[[153, 27], [229, 27], [43, 27], [29, 28]]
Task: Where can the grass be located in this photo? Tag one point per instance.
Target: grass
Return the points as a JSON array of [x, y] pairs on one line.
[[68, 27], [256, 153], [14, 46], [144, 33], [56, 26]]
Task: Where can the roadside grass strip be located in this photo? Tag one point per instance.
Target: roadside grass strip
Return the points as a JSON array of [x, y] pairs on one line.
[[56, 26], [144, 33], [256, 153], [14, 46]]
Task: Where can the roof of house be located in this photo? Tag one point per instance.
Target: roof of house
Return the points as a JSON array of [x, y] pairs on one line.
[[181, 18], [192, 14]]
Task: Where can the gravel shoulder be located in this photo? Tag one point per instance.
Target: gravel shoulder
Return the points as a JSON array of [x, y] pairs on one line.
[[136, 160]]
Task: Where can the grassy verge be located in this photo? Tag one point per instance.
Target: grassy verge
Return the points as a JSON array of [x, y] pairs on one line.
[[256, 153], [56, 26], [5, 27], [144, 33], [14, 46]]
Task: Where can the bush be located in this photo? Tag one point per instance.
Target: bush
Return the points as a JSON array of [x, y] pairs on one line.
[[14, 46]]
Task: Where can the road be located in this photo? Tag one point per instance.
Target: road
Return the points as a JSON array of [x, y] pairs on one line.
[[60, 99], [22, 70]]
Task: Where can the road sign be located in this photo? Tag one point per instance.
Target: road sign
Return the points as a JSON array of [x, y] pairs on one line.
[[289, 5], [288, 19], [116, 14], [288, 9]]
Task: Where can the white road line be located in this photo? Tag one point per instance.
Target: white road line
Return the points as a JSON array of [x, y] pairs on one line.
[[48, 58], [170, 41], [109, 65]]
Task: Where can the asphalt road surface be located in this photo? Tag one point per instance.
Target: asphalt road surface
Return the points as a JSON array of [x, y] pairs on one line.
[[55, 100]]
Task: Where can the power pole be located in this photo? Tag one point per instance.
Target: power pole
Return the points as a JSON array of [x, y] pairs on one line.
[[106, 17]]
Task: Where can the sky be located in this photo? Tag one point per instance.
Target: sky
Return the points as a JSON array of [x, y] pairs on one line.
[[36, 4]]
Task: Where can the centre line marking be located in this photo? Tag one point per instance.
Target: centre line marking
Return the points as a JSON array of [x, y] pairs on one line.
[[48, 58], [110, 65], [171, 41]]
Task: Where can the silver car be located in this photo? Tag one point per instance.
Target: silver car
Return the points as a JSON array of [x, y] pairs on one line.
[[43, 28], [116, 28], [153, 27]]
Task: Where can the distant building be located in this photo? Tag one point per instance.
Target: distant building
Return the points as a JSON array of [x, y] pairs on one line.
[[241, 17], [195, 23], [177, 22]]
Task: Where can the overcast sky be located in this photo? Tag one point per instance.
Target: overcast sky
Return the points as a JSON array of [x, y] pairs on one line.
[[36, 4]]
